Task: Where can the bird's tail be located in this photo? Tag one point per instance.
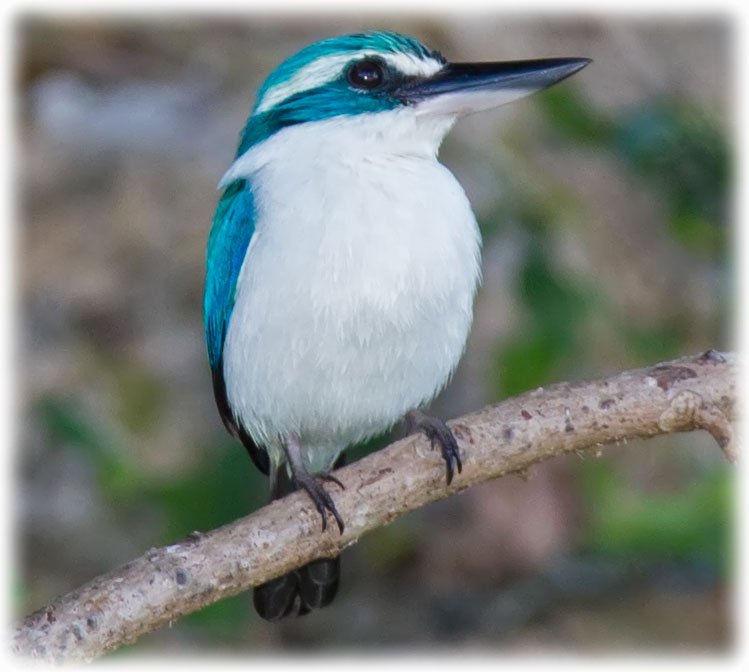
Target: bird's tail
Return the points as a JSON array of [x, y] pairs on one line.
[[301, 590]]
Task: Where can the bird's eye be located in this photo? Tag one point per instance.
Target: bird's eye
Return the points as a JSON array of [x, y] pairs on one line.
[[367, 74]]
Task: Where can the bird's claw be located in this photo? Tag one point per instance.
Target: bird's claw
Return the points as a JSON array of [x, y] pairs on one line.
[[323, 502], [438, 433]]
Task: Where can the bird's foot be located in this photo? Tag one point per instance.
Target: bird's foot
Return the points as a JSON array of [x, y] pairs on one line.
[[310, 483], [437, 432]]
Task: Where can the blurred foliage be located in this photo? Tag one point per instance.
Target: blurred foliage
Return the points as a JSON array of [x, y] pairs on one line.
[[221, 487], [69, 426], [555, 308], [677, 151], [142, 396], [691, 525], [673, 147], [681, 155]]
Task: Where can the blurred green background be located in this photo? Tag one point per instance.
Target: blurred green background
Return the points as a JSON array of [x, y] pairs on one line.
[[605, 205]]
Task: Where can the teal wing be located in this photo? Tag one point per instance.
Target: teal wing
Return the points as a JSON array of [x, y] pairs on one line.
[[233, 228]]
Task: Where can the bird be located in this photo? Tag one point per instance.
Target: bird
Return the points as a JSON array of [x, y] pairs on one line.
[[342, 264]]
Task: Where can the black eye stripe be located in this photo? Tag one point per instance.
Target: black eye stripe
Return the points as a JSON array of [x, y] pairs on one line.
[[367, 74]]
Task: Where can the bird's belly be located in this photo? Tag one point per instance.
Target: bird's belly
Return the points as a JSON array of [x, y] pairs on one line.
[[335, 337], [336, 381]]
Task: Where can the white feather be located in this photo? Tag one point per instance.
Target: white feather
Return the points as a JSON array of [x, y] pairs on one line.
[[355, 298]]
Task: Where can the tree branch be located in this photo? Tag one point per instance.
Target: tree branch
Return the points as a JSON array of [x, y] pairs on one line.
[[697, 392]]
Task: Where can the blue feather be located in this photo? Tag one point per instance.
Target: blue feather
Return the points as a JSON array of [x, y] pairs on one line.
[[233, 226]]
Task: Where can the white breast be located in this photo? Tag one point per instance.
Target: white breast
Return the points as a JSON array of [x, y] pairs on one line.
[[355, 298]]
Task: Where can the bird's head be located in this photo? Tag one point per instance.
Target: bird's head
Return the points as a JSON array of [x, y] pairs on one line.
[[380, 73]]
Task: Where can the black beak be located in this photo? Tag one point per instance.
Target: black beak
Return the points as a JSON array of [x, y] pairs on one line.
[[468, 87]]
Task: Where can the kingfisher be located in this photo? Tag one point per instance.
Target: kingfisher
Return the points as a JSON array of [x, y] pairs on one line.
[[342, 264]]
